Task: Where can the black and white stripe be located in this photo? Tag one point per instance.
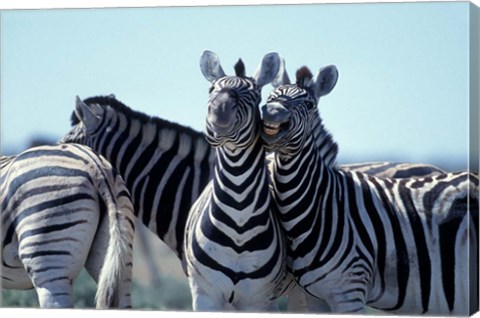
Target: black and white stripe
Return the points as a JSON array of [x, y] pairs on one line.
[[63, 208], [235, 257], [407, 245], [165, 165], [394, 169]]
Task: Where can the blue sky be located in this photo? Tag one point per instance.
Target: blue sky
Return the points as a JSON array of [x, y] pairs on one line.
[[402, 92]]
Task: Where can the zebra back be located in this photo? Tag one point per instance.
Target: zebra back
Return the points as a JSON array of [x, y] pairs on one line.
[[394, 169]]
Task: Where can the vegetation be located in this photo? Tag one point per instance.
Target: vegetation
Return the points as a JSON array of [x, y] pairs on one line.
[[172, 294]]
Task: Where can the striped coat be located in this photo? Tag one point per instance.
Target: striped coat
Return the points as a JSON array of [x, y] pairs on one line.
[[63, 208], [406, 245]]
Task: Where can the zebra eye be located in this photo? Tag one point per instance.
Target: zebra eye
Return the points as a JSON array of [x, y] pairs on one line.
[[210, 90], [309, 104]]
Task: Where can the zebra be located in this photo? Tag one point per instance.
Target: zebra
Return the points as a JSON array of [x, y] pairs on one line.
[[63, 208], [165, 165], [155, 157], [406, 245], [234, 252]]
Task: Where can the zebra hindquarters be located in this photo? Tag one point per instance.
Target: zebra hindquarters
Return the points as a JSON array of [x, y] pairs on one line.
[[54, 243]]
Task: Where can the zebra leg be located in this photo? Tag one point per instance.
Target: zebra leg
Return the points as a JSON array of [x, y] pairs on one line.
[[350, 301], [55, 293], [301, 301], [55, 257], [203, 300], [52, 272]]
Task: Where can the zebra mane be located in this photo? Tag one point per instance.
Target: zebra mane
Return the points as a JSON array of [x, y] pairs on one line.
[[304, 77], [118, 106], [323, 139], [326, 146], [239, 68]]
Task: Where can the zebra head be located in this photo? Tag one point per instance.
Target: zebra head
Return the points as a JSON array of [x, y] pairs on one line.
[[290, 114], [85, 120], [233, 114]]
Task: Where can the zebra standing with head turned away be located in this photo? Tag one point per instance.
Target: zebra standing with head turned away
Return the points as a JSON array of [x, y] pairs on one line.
[[63, 208], [165, 165], [234, 252], [406, 245]]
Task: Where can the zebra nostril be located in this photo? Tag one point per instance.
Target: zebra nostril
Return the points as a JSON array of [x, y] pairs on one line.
[[275, 112], [221, 110]]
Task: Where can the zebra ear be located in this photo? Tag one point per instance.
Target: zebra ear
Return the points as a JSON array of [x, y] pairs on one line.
[[78, 110], [326, 80], [90, 115], [268, 69], [210, 66], [282, 76]]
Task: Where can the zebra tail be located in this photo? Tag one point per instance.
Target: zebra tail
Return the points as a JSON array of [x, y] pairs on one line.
[[114, 281]]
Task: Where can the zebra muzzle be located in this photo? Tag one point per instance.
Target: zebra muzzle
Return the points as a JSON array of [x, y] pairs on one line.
[[271, 129], [275, 117]]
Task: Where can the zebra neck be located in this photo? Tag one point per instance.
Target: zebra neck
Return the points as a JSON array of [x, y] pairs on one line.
[[327, 148], [302, 180], [241, 179], [307, 194]]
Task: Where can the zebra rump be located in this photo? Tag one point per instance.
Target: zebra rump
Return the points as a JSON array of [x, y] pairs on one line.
[[63, 208]]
